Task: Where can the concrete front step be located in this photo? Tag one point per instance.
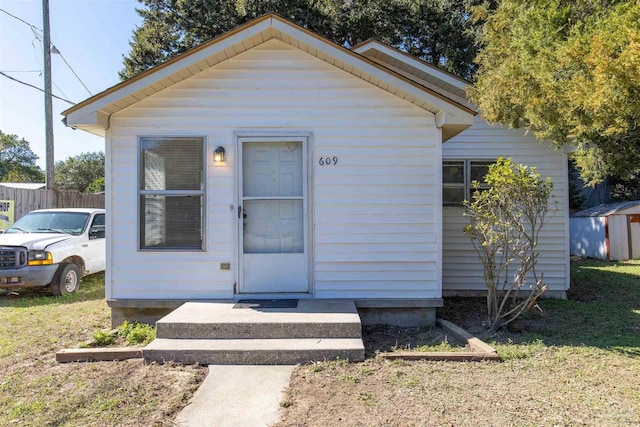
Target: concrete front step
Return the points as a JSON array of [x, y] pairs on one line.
[[219, 320], [253, 351]]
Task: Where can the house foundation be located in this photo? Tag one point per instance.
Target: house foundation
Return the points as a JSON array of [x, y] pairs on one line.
[[407, 313]]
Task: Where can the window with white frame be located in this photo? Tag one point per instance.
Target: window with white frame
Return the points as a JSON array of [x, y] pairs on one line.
[[458, 177], [171, 193]]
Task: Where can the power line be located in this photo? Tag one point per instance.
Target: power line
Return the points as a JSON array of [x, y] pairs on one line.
[[34, 29], [72, 70], [59, 90], [22, 71], [35, 87], [37, 71]]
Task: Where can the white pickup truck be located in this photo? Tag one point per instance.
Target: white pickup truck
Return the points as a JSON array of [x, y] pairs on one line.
[[53, 247]]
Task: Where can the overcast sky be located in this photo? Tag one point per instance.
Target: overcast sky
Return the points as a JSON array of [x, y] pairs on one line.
[[92, 35]]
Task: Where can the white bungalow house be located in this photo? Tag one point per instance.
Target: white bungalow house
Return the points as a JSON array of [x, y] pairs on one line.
[[271, 162]]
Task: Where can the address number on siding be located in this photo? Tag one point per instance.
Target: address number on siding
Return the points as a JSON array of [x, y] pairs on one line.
[[328, 161]]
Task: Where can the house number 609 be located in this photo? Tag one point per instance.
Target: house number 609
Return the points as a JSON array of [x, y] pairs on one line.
[[328, 161]]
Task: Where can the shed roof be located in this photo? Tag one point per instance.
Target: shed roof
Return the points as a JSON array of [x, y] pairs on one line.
[[610, 209], [451, 113], [24, 185]]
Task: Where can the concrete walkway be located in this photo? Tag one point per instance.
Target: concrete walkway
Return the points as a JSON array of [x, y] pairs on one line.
[[238, 396]]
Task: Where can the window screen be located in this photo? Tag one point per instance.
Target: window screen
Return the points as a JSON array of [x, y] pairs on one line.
[[171, 193]]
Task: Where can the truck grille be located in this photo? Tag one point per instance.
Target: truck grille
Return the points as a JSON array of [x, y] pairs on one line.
[[12, 257]]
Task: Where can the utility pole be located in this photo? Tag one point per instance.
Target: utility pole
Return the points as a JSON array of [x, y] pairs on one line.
[[48, 114]]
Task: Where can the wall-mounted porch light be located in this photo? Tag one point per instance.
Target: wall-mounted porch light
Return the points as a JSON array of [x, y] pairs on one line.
[[218, 155]]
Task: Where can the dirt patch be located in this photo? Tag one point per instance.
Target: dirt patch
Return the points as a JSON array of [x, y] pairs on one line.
[[470, 314], [388, 338]]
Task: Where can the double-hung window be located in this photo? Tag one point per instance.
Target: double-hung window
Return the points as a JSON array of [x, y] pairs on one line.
[[171, 193], [458, 177]]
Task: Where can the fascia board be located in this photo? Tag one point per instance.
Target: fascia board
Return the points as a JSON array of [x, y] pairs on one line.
[[407, 59]]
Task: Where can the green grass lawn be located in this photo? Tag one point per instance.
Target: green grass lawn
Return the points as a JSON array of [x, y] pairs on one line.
[[576, 362], [35, 390]]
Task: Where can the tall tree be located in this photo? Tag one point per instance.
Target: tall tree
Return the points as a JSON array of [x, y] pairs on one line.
[[79, 172], [443, 33], [568, 71], [438, 31], [17, 161]]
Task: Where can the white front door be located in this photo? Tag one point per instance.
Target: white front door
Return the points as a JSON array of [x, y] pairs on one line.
[[273, 225]]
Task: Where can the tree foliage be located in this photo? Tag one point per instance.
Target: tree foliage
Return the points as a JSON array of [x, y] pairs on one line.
[[96, 186], [567, 70], [504, 226], [438, 31], [77, 173], [17, 161], [627, 188]]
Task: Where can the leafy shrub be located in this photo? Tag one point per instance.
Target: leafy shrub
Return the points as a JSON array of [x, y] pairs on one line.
[[136, 333], [505, 222], [103, 338]]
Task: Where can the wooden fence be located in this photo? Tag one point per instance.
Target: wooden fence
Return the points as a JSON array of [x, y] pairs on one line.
[[28, 200]]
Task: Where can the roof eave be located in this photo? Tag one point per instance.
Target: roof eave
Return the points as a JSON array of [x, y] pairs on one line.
[[417, 62], [90, 115]]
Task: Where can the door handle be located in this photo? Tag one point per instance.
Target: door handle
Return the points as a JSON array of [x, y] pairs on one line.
[[239, 212], [84, 245]]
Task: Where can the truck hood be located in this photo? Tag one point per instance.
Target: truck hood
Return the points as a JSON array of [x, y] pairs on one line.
[[38, 241]]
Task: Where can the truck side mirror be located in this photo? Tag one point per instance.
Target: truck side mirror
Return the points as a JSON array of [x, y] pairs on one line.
[[96, 234]]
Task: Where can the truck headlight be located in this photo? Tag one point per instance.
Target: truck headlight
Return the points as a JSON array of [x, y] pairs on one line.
[[39, 258]]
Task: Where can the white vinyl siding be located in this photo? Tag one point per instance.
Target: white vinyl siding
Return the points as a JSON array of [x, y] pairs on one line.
[[461, 269], [375, 215]]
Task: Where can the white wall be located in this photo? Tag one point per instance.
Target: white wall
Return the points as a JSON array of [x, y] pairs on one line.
[[462, 270], [618, 238], [634, 234], [375, 214], [588, 237]]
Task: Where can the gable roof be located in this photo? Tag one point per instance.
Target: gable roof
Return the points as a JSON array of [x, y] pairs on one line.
[[447, 84], [93, 114]]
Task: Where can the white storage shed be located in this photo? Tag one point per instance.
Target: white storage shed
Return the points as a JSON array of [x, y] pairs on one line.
[[609, 232]]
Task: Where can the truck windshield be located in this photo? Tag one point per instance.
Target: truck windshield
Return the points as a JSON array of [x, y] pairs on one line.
[[51, 222]]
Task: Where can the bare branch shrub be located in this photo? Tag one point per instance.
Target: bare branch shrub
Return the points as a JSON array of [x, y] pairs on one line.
[[504, 226]]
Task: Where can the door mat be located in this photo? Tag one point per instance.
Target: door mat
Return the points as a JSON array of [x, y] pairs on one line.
[[266, 303]]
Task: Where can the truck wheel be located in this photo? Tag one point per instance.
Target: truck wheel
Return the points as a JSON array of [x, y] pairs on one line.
[[66, 280]]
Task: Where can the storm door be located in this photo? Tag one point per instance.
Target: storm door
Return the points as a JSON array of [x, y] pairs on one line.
[[272, 216]]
